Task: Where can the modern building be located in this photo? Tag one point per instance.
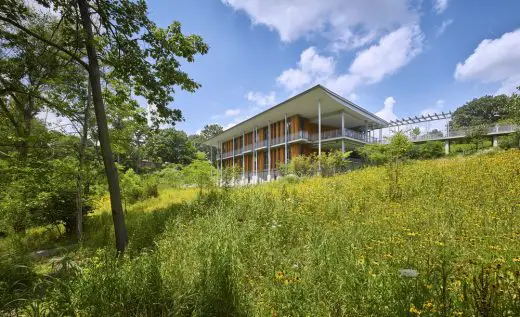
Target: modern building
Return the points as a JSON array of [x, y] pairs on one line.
[[314, 121]]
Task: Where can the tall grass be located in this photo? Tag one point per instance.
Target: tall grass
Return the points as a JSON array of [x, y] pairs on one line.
[[341, 246]]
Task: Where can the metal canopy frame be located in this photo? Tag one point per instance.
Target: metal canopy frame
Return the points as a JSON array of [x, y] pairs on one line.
[[419, 119]]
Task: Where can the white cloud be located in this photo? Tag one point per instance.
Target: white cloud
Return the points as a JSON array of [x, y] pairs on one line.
[[312, 68], [227, 114], [440, 6], [439, 105], [352, 22], [392, 52], [443, 27], [494, 61], [260, 99], [370, 66], [387, 112]]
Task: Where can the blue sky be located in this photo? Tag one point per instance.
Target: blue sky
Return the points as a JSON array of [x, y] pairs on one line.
[[394, 57]]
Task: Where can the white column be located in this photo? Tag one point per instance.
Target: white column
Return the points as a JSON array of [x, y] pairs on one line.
[[233, 148], [342, 132], [269, 151], [221, 164], [366, 131], [255, 156], [243, 157], [285, 139], [380, 135], [319, 128], [495, 140], [447, 147], [319, 136]]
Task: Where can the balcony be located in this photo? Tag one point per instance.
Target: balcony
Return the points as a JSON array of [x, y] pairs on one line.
[[303, 136]]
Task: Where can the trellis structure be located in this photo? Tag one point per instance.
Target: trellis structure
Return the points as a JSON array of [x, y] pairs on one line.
[[420, 119]]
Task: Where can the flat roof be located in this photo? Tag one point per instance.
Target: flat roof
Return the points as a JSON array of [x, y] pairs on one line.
[[306, 105]]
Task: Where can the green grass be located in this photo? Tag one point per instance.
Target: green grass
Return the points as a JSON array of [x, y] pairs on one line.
[[318, 247]]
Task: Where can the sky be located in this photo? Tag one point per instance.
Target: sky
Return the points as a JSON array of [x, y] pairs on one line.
[[396, 58]]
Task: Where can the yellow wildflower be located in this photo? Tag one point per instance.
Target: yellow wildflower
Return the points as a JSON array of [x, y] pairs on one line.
[[415, 310]]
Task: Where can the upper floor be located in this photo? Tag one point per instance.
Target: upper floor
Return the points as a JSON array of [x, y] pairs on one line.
[[315, 115]]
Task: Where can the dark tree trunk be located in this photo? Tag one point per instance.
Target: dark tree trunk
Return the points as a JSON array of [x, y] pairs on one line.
[[104, 140], [81, 158]]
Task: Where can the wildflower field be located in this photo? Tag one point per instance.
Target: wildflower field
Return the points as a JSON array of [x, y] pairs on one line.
[[447, 245]]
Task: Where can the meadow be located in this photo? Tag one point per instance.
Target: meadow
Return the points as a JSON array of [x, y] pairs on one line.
[[442, 239]]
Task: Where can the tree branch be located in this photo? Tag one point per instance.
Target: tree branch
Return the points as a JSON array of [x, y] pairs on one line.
[[8, 114], [41, 38]]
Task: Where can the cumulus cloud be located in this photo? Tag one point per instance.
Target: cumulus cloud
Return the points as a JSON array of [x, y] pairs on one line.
[[391, 53], [440, 6], [443, 27], [439, 106], [370, 66], [494, 61], [261, 99], [348, 24], [387, 112], [227, 114]]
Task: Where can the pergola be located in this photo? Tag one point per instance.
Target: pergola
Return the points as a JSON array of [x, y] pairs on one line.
[[420, 119]]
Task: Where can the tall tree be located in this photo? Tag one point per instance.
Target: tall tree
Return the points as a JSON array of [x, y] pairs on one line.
[[207, 133], [172, 146], [133, 48], [485, 110]]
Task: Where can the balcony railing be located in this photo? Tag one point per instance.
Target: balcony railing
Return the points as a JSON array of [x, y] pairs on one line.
[[306, 136], [460, 133]]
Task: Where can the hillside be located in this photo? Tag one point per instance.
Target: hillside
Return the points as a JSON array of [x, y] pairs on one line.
[[444, 239]]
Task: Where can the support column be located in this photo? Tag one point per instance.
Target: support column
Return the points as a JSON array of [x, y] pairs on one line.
[[319, 128], [233, 154], [221, 164], [366, 131], [342, 132], [243, 157], [255, 156], [319, 136], [495, 140], [380, 135], [285, 139], [269, 151], [447, 147]]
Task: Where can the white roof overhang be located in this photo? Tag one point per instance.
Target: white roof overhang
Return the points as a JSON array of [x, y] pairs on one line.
[[306, 105]]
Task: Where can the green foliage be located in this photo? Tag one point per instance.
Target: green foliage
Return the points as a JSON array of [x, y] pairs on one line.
[[427, 150], [374, 153], [172, 146], [40, 194], [200, 173], [476, 135], [509, 141], [485, 110], [276, 249], [135, 187], [330, 164], [303, 165]]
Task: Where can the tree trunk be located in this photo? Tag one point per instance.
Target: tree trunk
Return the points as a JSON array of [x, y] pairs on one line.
[[81, 158], [108, 160]]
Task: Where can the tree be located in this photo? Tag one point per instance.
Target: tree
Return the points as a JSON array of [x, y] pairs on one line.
[[476, 135], [485, 110], [207, 133], [397, 151], [200, 172], [170, 145], [134, 50]]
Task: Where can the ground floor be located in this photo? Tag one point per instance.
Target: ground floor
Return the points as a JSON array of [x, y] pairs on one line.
[[263, 164]]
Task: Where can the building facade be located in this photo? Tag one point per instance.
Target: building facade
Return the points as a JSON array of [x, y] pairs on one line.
[[314, 121]]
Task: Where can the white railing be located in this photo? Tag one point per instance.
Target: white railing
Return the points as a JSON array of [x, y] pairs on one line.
[[460, 133]]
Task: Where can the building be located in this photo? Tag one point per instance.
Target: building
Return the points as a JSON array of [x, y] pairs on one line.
[[316, 120]]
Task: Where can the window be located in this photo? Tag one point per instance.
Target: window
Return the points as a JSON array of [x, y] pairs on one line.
[[265, 161]]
